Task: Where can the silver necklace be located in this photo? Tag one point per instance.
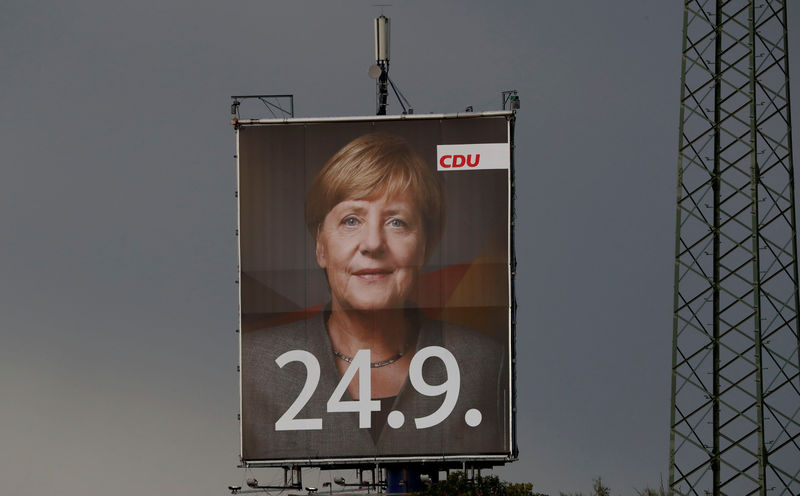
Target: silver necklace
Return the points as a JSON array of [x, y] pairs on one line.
[[374, 365]]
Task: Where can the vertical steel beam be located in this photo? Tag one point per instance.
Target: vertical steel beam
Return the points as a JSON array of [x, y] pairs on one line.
[[716, 186], [735, 405], [754, 223]]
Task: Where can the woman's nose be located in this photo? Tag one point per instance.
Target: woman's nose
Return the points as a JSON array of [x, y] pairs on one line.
[[373, 242]]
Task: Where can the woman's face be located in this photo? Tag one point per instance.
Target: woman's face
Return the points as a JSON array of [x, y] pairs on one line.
[[372, 251]]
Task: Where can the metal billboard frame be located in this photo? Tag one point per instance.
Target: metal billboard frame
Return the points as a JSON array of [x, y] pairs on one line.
[[382, 461]]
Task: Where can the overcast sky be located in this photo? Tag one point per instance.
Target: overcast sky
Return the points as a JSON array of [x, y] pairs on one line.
[[117, 297]]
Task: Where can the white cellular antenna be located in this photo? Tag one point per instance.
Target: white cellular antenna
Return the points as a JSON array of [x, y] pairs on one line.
[[380, 69], [382, 25]]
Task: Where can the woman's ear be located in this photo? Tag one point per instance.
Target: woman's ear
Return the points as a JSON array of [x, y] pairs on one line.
[[320, 250]]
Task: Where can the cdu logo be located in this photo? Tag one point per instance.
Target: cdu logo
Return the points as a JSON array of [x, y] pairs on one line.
[[456, 161], [474, 156]]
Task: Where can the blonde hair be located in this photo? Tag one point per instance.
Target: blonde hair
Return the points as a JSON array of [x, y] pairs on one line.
[[377, 164]]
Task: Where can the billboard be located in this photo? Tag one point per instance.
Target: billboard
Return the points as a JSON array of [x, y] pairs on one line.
[[376, 291]]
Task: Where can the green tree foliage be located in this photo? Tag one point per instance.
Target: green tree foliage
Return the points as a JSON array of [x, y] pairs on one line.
[[598, 489], [653, 492], [458, 484]]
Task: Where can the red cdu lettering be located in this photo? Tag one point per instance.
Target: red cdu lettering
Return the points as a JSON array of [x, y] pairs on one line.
[[458, 161]]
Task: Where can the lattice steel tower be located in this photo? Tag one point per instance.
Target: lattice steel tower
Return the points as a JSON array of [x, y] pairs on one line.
[[735, 421]]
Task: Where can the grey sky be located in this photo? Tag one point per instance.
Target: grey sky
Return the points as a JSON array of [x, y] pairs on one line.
[[117, 300]]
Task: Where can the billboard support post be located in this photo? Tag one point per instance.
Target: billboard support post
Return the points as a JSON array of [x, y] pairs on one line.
[[403, 479]]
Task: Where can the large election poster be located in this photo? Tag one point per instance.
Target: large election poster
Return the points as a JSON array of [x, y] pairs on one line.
[[375, 289]]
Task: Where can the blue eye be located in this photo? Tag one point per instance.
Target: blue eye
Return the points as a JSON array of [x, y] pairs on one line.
[[397, 223], [350, 221]]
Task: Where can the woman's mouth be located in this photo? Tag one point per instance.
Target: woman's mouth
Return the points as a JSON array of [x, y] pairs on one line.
[[372, 274]]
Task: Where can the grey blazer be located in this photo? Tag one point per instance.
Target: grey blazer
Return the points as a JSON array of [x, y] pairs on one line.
[[268, 391]]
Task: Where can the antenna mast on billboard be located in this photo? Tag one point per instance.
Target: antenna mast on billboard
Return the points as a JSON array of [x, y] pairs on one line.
[[380, 69], [735, 419]]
